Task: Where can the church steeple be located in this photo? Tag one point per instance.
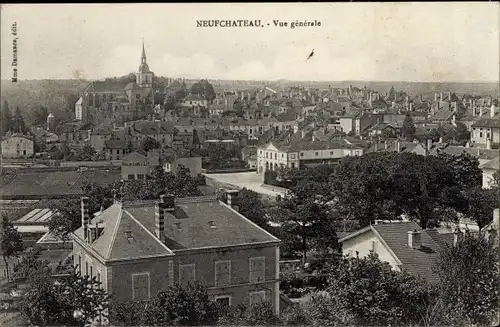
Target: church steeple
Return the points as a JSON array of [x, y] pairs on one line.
[[143, 56]]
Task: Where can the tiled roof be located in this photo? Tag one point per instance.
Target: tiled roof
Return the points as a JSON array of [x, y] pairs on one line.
[[442, 114], [136, 155], [415, 261], [116, 144], [393, 146], [147, 127], [485, 154]]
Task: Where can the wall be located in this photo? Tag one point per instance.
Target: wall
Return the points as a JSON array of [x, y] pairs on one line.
[[17, 147], [488, 177], [120, 275], [93, 261], [240, 286], [365, 242]]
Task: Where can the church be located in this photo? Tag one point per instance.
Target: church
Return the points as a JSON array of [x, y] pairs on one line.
[[118, 100]]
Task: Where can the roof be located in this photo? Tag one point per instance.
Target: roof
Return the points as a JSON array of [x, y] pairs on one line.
[[37, 217], [135, 156], [415, 261], [147, 127], [492, 164], [194, 216], [123, 237], [485, 154], [393, 146], [487, 122], [442, 114]]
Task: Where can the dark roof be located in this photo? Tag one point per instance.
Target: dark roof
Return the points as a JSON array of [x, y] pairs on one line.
[[147, 127], [487, 122], [492, 164], [194, 216], [415, 261], [486, 154]]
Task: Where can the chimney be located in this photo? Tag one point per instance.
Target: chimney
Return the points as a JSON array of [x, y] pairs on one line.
[[166, 203], [295, 129], [303, 133], [441, 139], [457, 236], [85, 215], [441, 97], [492, 111], [429, 144], [414, 241], [398, 146], [480, 111], [386, 145], [411, 106], [449, 96], [435, 96], [488, 144], [231, 199]]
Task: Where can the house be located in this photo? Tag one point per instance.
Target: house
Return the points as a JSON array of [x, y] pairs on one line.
[[17, 145], [296, 149], [489, 168], [247, 152], [193, 100], [186, 158], [139, 164], [486, 131], [404, 245], [401, 146], [136, 249]]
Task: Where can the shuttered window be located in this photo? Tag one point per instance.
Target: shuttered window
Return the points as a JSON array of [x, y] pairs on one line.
[[186, 274], [257, 269], [222, 273], [140, 286]]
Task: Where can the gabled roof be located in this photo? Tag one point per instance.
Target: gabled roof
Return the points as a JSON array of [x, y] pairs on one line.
[[135, 156], [492, 164], [487, 122], [123, 237], [485, 154], [394, 236]]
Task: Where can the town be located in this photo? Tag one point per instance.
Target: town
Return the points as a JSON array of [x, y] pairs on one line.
[[146, 200]]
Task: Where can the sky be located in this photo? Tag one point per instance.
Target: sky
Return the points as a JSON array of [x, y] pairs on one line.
[[432, 42]]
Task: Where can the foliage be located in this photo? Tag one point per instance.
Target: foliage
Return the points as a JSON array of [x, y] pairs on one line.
[[85, 154], [465, 168], [303, 215], [31, 264], [408, 129], [480, 204], [203, 88], [39, 116], [470, 281], [257, 314], [126, 313], [149, 143], [66, 219], [368, 292], [47, 303], [250, 205], [182, 306], [18, 124], [11, 242], [6, 119]]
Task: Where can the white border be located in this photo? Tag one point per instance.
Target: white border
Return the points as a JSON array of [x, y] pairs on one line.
[[224, 296]]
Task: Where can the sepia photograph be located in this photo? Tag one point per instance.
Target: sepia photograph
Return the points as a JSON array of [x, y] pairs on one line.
[[250, 164]]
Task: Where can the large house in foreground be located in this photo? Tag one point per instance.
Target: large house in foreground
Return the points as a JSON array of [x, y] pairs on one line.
[[139, 248]]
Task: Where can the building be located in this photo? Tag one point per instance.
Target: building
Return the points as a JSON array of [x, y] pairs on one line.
[[296, 149], [489, 168], [401, 244], [139, 248], [120, 101], [486, 131], [139, 164], [17, 145], [187, 159]]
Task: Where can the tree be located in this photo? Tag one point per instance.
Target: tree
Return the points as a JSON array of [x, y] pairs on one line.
[[368, 292], [86, 153], [31, 264], [11, 243], [465, 168], [130, 146], [304, 216], [184, 306], [67, 218], [469, 281], [480, 204], [73, 301], [203, 88], [18, 125], [408, 129], [251, 206], [6, 119], [39, 116], [149, 143]]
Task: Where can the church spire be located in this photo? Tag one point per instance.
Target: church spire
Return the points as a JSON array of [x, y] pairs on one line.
[[143, 56]]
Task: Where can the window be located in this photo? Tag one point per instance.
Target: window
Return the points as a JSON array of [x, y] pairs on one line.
[[257, 269], [178, 226], [80, 263], [186, 274], [293, 164], [130, 177], [86, 268], [140, 176], [98, 276], [258, 296], [480, 134], [260, 151], [130, 236], [140, 286], [302, 154], [222, 273], [91, 272], [275, 156], [266, 155], [224, 300], [282, 155], [211, 223], [292, 156], [316, 154], [331, 153]]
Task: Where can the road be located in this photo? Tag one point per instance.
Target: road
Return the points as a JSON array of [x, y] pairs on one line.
[[250, 180]]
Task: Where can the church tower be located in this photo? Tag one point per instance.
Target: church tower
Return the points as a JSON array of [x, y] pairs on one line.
[[144, 76]]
